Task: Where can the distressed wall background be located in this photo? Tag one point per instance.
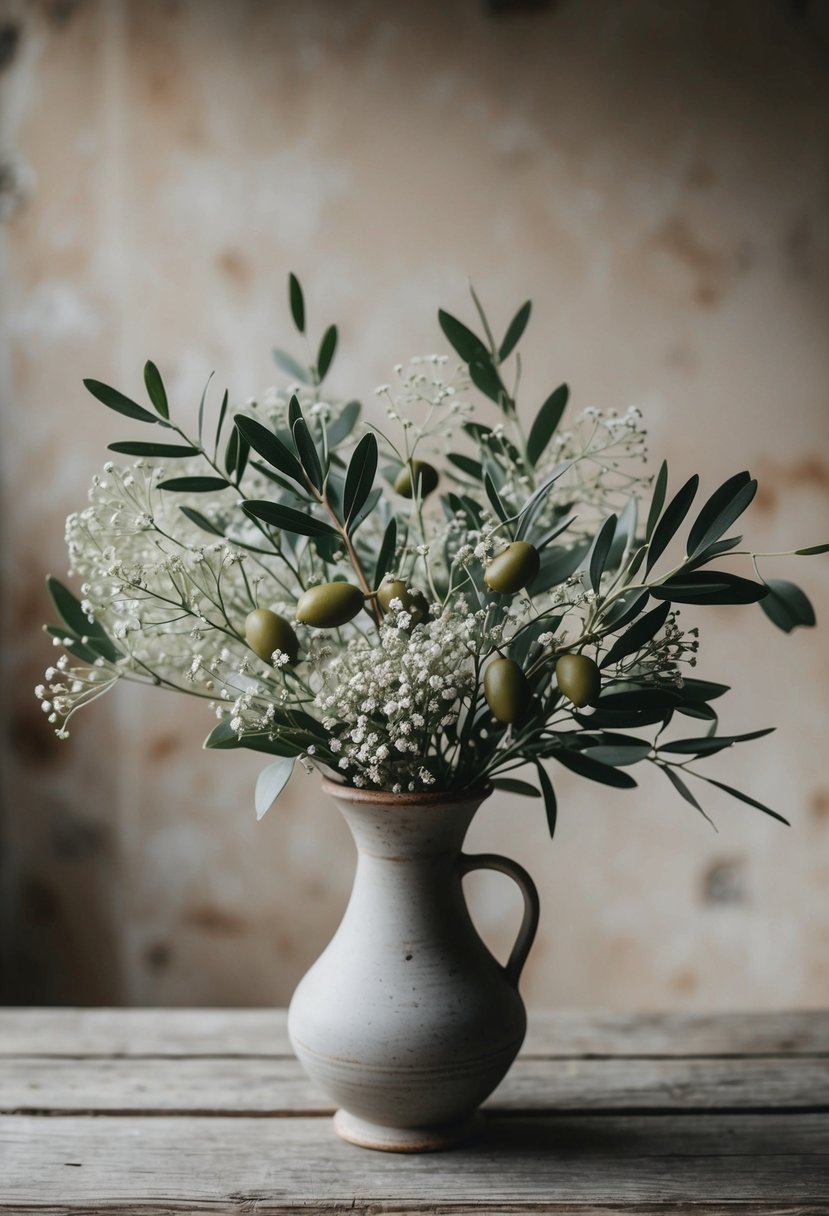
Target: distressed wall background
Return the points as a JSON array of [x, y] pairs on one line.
[[656, 177]]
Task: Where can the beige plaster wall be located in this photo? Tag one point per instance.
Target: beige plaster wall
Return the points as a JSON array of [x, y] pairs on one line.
[[655, 177]]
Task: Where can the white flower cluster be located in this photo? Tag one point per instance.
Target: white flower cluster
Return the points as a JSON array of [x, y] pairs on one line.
[[386, 703]]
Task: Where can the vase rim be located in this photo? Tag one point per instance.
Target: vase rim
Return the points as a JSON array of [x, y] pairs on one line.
[[424, 798]]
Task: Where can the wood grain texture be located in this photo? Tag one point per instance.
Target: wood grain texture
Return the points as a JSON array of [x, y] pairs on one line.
[[276, 1086], [563, 1164], [262, 1032], [143, 1112]]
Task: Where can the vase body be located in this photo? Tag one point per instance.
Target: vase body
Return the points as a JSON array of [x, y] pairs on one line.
[[406, 1020]]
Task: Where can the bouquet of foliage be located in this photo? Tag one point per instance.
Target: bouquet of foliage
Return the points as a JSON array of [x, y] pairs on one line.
[[339, 601]]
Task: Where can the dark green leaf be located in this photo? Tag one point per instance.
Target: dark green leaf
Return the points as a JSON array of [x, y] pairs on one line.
[[494, 498], [557, 564], [282, 482], [577, 762], [813, 549], [702, 690], [618, 756], [224, 737], [472, 468], [536, 500], [467, 344], [201, 407], [136, 448], [118, 402], [155, 389], [709, 587], [511, 785], [515, 331], [201, 521], [294, 412], [669, 524], [342, 426], [711, 551], [360, 476], [548, 792], [73, 615], [365, 510], [388, 547], [288, 364], [308, 455], [660, 487], [638, 698], [786, 605], [729, 789], [72, 644], [486, 378], [626, 609], [326, 352], [546, 422], [194, 485], [639, 634], [682, 789], [269, 446], [707, 745], [720, 511], [289, 520], [297, 302], [599, 551]]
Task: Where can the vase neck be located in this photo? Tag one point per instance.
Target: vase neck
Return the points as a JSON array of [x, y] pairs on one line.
[[407, 830]]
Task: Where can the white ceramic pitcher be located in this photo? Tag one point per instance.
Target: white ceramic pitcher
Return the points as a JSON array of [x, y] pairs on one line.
[[406, 1019]]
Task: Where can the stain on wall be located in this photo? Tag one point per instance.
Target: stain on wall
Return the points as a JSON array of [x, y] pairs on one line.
[[656, 178]]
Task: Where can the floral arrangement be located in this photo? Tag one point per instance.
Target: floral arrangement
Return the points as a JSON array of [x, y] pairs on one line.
[[338, 600]]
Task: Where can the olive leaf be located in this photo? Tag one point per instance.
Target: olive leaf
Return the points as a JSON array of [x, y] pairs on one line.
[[709, 587], [308, 455], [296, 302], [129, 447], [343, 424], [515, 331], [594, 770], [155, 389], [270, 447], [288, 364], [660, 487], [201, 521], [194, 485], [639, 634], [546, 422], [388, 547], [787, 605], [724, 506], [327, 349], [511, 785], [468, 345], [671, 520], [359, 479], [599, 550], [72, 614], [114, 400], [270, 783], [287, 519], [550, 805]]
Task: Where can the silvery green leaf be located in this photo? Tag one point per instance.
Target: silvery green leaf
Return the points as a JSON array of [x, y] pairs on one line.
[[270, 783]]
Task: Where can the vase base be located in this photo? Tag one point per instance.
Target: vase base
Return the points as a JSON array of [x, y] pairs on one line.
[[405, 1139]]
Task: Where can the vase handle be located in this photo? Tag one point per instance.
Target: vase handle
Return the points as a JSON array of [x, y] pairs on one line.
[[529, 923]]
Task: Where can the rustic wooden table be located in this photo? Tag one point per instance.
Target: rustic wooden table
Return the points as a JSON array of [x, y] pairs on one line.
[[207, 1111]]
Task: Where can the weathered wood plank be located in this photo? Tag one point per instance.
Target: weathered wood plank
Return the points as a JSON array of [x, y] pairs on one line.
[[278, 1086], [262, 1032], [765, 1163]]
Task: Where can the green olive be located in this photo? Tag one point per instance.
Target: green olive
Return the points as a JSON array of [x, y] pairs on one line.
[[507, 690], [267, 631], [329, 605], [418, 473], [578, 678], [393, 589], [514, 568]]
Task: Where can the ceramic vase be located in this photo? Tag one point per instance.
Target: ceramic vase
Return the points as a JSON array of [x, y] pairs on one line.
[[406, 1020]]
